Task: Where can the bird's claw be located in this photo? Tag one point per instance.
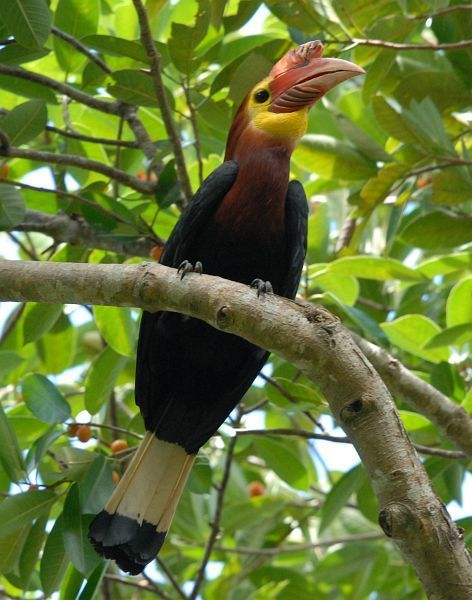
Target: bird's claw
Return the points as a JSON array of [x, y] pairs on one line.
[[187, 267], [262, 287]]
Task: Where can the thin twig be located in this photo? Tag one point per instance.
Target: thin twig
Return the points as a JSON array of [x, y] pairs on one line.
[[14, 318], [196, 133], [398, 46], [442, 11], [110, 427], [245, 550], [21, 245], [215, 526], [81, 48], [131, 583], [81, 162], [288, 396], [293, 432], [167, 117], [168, 573], [88, 138], [111, 108]]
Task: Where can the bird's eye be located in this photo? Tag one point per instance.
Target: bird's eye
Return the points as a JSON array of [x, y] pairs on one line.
[[261, 96]]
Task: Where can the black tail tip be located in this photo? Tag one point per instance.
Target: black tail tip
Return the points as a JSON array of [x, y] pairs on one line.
[[131, 545]]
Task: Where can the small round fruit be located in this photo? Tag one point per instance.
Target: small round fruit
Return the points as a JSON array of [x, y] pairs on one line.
[[4, 170], [84, 433], [156, 252], [256, 488], [422, 182], [118, 446], [72, 430]]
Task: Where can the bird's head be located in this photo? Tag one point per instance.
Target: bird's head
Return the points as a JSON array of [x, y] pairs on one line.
[[277, 107]]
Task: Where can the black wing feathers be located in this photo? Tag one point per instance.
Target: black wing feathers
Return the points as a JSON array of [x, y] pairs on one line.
[[296, 231], [202, 206]]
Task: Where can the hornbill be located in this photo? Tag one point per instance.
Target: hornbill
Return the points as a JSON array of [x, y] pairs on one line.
[[246, 223]]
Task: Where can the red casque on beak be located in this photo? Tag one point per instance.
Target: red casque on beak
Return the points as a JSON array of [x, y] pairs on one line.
[[302, 77]]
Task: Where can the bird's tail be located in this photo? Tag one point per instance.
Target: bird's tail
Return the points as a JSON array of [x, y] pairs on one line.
[[132, 527]]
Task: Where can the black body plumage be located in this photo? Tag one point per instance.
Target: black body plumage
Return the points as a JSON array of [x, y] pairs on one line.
[[190, 376]]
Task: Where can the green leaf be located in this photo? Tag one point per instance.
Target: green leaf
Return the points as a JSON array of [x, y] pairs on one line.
[[438, 229], [39, 317], [378, 187], [75, 534], [21, 509], [28, 89], [377, 72], [74, 462], [12, 207], [285, 463], [116, 46], [54, 560], [25, 122], [9, 361], [168, 186], [393, 122], [134, 87], [117, 327], [448, 263], [44, 400], [412, 333], [344, 287], [413, 421], [28, 21], [32, 548], [101, 379], [97, 486], [373, 267], [57, 347], [452, 336], [15, 55], [93, 581], [451, 186], [444, 89], [331, 158], [459, 303], [340, 493], [10, 549], [184, 39], [11, 458], [78, 18]]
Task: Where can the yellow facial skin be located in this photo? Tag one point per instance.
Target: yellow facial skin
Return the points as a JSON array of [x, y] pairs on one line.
[[288, 127]]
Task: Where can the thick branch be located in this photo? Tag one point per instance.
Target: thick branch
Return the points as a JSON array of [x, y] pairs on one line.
[[315, 342], [450, 418], [81, 162], [172, 132], [78, 232], [111, 108]]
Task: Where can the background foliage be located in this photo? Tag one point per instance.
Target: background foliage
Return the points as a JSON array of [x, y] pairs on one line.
[[387, 170]]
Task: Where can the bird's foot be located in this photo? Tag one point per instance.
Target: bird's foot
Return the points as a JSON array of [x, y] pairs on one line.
[[187, 267], [262, 287]]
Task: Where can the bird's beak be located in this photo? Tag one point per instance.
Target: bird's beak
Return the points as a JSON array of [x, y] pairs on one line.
[[302, 77]]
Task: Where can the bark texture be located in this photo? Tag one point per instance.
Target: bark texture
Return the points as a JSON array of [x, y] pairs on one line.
[[316, 342]]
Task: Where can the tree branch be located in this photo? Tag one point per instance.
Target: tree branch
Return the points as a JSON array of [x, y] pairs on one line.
[[450, 418], [309, 435], [398, 46], [89, 138], [78, 232], [111, 108], [75, 43], [276, 550], [442, 11], [215, 525], [155, 62], [315, 342], [72, 160]]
